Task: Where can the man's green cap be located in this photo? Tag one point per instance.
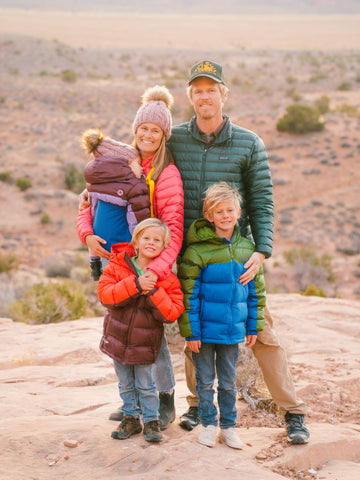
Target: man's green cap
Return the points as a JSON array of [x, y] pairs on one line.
[[209, 69]]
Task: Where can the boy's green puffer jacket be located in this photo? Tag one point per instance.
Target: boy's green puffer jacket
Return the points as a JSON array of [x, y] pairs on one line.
[[219, 309]]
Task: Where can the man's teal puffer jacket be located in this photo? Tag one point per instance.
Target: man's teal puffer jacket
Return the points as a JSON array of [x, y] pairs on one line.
[[238, 157]]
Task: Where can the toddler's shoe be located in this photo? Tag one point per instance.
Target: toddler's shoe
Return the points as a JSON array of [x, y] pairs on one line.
[[231, 438], [208, 436], [96, 268]]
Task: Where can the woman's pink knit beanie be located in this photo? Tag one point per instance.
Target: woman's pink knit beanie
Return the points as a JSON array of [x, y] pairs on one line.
[[156, 104]]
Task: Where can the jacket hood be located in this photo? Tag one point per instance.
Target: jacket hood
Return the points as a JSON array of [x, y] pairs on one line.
[[121, 249], [201, 230]]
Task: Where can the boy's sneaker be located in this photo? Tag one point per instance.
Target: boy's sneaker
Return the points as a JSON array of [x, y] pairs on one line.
[[117, 416], [152, 431], [208, 436], [190, 419], [297, 433], [96, 268], [231, 438], [129, 426]]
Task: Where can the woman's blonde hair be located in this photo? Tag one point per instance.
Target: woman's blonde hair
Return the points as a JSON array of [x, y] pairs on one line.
[[147, 223], [220, 192]]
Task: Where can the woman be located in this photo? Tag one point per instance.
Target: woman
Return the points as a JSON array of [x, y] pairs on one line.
[[152, 128]]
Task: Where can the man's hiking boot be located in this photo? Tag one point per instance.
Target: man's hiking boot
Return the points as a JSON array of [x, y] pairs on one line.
[[129, 426], [152, 431], [190, 419], [117, 416], [297, 433], [167, 413]]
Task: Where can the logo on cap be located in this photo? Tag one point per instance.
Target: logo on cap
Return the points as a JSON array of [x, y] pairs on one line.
[[205, 67]]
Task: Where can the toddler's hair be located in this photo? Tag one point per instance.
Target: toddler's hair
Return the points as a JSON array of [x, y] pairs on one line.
[[147, 223], [220, 192]]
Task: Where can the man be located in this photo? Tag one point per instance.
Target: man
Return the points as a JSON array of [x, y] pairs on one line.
[[210, 149]]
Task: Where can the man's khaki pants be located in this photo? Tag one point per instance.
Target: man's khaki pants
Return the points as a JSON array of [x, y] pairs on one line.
[[273, 363]]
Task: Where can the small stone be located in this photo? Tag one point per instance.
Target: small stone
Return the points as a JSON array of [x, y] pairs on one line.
[[71, 443]]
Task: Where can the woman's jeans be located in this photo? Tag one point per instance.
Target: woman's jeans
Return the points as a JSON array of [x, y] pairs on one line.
[[138, 391], [223, 358], [163, 370]]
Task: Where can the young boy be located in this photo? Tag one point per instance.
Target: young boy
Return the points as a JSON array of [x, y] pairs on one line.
[[219, 311], [133, 326], [118, 190]]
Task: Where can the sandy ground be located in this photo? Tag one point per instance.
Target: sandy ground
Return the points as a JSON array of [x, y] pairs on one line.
[[127, 30], [56, 386]]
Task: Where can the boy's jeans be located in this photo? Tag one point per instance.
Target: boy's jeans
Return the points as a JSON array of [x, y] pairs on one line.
[[224, 358], [138, 391]]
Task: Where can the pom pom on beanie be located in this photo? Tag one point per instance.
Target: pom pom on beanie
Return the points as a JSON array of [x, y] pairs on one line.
[[156, 104], [94, 142]]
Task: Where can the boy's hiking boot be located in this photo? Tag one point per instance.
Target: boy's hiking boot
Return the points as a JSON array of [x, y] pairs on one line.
[[96, 269], [129, 426], [152, 431], [167, 412], [117, 416], [297, 432], [190, 419]]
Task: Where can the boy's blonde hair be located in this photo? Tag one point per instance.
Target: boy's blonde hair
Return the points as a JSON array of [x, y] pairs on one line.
[[220, 192], [147, 223]]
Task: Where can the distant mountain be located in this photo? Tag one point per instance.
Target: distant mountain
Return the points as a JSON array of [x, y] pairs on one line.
[[311, 7]]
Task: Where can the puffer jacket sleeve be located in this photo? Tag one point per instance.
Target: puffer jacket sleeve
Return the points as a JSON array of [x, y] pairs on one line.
[[115, 288], [84, 224], [189, 276], [169, 207], [256, 304], [169, 300], [259, 198]]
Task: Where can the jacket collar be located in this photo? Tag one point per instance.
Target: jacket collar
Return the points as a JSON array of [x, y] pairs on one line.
[[223, 137]]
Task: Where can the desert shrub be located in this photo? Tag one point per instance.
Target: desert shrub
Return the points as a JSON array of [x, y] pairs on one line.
[[50, 303], [322, 104], [74, 178], [291, 79], [300, 118], [45, 218], [8, 261], [23, 183], [313, 291], [344, 86], [308, 268], [6, 176], [68, 76], [14, 71], [347, 109]]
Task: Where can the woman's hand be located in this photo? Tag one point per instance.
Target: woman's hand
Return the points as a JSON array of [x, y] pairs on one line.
[[250, 340], [194, 345], [252, 266], [94, 243], [84, 200]]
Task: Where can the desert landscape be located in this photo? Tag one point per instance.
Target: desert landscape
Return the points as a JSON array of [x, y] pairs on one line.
[[63, 71]]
